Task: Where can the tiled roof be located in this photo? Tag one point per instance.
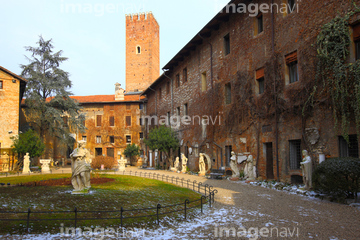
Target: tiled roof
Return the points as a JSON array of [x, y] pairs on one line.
[[12, 74], [106, 98]]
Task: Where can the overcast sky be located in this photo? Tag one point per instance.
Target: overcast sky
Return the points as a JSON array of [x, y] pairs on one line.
[[93, 36]]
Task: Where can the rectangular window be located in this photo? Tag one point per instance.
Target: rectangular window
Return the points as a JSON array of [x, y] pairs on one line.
[[128, 139], [112, 139], [227, 44], [141, 135], [291, 5], [112, 121], [98, 120], [186, 113], [356, 35], [185, 74], [350, 149], [167, 87], [128, 106], [98, 152], [260, 81], [168, 118], [84, 138], [228, 93], [111, 107], [228, 150], [203, 81], [98, 139], [1, 85], [141, 106], [177, 80], [110, 152], [178, 111], [292, 67], [141, 121], [128, 121], [260, 23], [295, 154]]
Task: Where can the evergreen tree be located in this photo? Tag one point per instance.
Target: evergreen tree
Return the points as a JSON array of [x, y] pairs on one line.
[[49, 108], [131, 151]]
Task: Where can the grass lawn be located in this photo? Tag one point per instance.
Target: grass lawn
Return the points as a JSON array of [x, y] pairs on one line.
[[127, 192]]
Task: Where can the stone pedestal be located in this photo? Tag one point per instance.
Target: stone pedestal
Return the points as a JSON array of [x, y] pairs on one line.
[[45, 165], [122, 164]]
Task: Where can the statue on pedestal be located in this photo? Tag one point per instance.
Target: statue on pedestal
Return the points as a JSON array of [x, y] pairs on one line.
[[80, 166], [176, 165], [233, 165], [184, 161], [122, 163], [250, 169], [306, 167], [202, 170], [26, 168]]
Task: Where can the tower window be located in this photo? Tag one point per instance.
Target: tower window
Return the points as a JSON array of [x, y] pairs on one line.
[[138, 50], [259, 24], [228, 93], [260, 81], [292, 68], [356, 35], [227, 44], [291, 6], [203, 82]]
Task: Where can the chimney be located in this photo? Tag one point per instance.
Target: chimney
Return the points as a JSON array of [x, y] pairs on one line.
[[119, 92]]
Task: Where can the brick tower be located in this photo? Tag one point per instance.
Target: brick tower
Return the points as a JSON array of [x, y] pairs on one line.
[[142, 51]]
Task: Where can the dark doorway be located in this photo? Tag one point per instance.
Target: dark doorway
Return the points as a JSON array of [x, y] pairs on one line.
[[269, 161]]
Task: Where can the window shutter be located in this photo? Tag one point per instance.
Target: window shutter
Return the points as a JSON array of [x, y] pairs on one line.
[[292, 57], [356, 32], [260, 73], [128, 120], [112, 121], [98, 120]]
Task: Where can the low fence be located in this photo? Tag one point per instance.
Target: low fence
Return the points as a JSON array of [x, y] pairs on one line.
[[122, 214]]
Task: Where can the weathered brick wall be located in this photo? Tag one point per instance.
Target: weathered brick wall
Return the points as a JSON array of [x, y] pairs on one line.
[[141, 69], [9, 108], [296, 31]]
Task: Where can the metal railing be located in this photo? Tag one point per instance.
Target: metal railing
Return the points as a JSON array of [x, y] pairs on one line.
[[123, 214]]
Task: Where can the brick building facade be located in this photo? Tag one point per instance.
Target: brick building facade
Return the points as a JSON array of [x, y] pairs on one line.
[[12, 88], [250, 76]]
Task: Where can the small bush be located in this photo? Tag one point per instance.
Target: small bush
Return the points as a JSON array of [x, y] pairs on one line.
[[108, 162], [339, 177]]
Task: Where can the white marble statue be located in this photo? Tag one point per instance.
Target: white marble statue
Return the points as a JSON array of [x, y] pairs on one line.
[[26, 167], [306, 166], [80, 166], [122, 163], [233, 165], [176, 165], [202, 170], [250, 169], [45, 165], [184, 161]]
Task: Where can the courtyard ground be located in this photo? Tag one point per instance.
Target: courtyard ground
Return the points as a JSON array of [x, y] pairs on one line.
[[254, 212]]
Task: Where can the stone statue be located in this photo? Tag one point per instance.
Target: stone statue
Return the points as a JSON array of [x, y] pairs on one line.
[[202, 165], [184, 161], [26, 168], [122, 163], [250, 169], [233, 165], [45, 165], [306, 167], [176, 165], [80, 166]]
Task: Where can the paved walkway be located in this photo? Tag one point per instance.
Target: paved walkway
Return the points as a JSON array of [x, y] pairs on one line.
[[258, 207]]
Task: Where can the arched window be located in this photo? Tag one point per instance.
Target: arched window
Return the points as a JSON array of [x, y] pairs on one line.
[[138, 50]]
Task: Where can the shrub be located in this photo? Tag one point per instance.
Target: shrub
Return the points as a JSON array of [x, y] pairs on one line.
[[108, 162], [339, 177]]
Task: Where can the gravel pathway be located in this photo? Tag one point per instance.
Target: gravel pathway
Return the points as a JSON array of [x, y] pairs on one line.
[[254, 212]]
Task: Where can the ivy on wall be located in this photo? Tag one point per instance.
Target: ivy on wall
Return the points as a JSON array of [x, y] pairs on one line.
[[338, 78]]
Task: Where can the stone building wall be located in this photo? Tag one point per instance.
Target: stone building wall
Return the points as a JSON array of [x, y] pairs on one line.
[[249, 123]]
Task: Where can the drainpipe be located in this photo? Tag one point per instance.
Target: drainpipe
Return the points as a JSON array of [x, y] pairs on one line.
[[275, 95]]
